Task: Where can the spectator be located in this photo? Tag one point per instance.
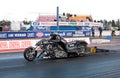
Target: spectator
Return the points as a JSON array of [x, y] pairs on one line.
[[113, 33], [100, 31], [63, 18], [93, 31]]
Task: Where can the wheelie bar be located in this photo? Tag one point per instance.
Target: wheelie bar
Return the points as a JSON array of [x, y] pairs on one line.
[[98, 50]]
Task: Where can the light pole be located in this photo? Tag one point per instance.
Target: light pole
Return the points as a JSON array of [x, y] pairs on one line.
[[57, 17]]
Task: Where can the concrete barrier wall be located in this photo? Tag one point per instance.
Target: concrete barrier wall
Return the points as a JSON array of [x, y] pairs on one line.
[[21, 44], [106, 33]]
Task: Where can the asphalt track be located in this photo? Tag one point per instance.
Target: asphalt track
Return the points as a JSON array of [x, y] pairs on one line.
[[99, 65]]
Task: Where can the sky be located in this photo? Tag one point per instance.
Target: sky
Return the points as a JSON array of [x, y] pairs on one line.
[[18, 10]]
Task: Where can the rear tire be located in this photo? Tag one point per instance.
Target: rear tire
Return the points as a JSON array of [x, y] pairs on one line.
[[59, 52], [30, 54], [81, 50]]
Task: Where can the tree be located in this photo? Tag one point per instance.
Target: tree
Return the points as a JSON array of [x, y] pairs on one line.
[[101, 21], [118, 23], [113, 23], [26, 22], [5, 23], [94, 20], [105, 24]]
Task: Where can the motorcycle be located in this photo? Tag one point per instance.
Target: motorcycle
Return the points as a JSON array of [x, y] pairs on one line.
[[52, 50]]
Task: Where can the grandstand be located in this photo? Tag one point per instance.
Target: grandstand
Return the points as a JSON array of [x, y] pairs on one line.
[[66, 22], [81, 18], [46, 18], [65, 18]]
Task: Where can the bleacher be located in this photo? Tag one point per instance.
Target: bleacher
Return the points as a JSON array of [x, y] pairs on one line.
[[65, 18], [46, 18]]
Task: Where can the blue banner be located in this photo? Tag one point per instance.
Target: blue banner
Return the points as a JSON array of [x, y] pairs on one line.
[[41, 34], [3, 35], [46, 34], [20, 35], [70, 28], [38, 28]]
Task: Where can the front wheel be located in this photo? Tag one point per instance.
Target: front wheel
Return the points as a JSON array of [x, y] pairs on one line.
[[30, 53]]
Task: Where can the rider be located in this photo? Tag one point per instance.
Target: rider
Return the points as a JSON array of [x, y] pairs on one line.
[[57, 38]]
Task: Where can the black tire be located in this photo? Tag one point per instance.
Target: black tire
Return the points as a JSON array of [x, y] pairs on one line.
[[30, 54], [61, 54], [81, 50]]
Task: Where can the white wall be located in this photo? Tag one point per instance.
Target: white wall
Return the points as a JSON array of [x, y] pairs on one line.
[[15, 26], [106, 33]]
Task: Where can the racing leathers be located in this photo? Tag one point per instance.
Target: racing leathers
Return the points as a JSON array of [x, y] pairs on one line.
[[59, 40]]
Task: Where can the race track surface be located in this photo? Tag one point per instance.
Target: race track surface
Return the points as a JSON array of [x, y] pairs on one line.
[[100, 65]]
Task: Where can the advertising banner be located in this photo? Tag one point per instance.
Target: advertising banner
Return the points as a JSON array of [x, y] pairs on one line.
[[13, 35], [38, 28], [67, 24], [20, 35], [41, 34], [46, 34]]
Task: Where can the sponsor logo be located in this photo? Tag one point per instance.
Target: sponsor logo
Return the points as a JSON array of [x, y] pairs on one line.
[[39, 34], [72, 23], [86, 24], [41, 27], [35, 24], [69, 34], [3, 35]]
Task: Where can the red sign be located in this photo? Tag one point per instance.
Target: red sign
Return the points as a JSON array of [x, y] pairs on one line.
[[25, 44], [3, 45], [14, 44]]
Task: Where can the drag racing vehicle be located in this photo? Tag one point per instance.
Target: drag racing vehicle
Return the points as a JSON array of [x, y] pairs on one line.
[[52, 50]]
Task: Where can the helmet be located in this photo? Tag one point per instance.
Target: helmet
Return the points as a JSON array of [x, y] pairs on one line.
[[53, 34]]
